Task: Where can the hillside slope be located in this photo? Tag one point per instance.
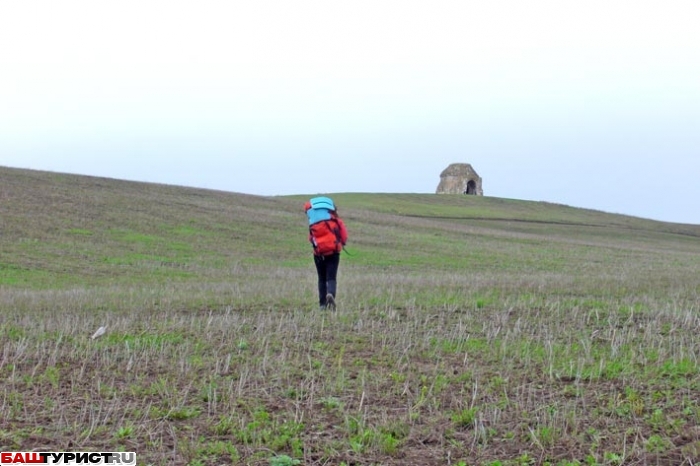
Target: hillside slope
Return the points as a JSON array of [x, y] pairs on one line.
[[68, 230]]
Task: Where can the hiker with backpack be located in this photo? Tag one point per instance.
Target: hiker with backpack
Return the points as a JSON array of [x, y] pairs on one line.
[[327, 235]]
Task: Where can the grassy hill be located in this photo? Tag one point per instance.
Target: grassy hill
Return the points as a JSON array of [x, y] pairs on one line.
[[470, 330]]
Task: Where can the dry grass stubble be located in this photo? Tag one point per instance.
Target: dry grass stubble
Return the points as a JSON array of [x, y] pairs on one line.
[[408, 368]]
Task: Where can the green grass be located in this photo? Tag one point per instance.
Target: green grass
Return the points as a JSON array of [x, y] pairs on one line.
[[470, 331]]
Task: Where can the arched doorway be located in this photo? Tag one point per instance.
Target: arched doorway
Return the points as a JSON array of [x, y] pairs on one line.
[[471, 187]]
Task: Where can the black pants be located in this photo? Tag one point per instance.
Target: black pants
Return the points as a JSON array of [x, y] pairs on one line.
[[327, 270]]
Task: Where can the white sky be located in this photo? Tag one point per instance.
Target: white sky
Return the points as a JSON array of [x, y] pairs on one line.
[[591, 103]]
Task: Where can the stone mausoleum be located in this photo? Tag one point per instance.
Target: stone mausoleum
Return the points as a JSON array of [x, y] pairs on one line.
[[460, 178]]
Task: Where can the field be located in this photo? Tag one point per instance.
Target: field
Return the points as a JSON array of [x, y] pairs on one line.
[[469, 331]]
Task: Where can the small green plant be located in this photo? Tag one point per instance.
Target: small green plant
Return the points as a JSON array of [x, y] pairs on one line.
[[125, 432], [287, 435], [465, 418], [657, 420], [545, 436], [225, 426], [183, 413], [214, 452], [362, 440], [525, 460], [49, 403], [613, 459], [388, 444], [51, 375], [657, 444], [331, 403], [283, 460]]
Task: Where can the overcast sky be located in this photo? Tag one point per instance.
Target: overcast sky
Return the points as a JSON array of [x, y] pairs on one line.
[[591, 103]]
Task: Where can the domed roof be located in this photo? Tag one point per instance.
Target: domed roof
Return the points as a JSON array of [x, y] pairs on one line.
[[459, 169]]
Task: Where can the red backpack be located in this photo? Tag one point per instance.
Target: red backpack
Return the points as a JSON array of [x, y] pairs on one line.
[[325, 237]]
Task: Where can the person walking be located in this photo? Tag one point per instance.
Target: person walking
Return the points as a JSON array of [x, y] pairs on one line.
[[327, 235]]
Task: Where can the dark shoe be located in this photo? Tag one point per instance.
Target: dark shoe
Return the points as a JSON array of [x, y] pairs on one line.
[[330, 301]]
